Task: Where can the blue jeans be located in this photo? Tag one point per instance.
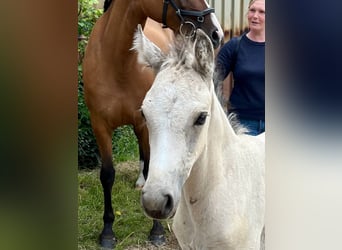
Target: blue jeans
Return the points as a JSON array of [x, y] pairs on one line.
[[254, 127]]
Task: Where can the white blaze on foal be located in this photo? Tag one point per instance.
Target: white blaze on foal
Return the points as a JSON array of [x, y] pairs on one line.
[[201, 172]]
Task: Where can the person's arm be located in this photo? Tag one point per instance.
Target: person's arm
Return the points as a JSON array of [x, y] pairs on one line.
[[223, 75], [227, 87]]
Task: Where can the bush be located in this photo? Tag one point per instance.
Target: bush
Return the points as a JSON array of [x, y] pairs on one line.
[[87, 16], [125, 143], [88, 154]]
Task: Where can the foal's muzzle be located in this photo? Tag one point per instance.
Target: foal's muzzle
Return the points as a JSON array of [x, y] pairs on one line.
[[158, 205]]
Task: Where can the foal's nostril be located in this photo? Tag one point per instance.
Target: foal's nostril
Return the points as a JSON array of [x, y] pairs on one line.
[[168, 204]]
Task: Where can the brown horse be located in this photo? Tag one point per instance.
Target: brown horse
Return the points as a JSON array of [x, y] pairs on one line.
[[115, 84]]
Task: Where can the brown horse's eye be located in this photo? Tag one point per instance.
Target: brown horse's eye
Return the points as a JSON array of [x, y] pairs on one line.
[[201, 119]]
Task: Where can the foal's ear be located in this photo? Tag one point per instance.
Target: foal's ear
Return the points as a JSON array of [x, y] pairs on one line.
[[204, 54], [148, 52]]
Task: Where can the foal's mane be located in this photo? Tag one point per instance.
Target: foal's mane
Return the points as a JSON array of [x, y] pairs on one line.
[[106, 4]]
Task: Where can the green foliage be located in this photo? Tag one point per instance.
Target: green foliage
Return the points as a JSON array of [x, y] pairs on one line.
[[88, 154], [125, 144], [88, 14]]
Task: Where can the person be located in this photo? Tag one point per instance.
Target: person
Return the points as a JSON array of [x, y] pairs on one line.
[[245, 58]]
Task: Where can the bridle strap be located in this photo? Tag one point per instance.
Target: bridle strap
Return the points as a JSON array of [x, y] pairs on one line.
[[165, 7], [197, 13], [181, 13]]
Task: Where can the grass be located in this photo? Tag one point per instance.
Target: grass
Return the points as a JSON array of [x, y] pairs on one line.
[[125, 144], [131, 226]]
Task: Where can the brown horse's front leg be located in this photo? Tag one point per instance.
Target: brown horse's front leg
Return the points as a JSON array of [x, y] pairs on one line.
[[139, 184], [107, 177], [103, 136]]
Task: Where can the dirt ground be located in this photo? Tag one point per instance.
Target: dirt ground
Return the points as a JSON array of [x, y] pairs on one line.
[[171, 244]]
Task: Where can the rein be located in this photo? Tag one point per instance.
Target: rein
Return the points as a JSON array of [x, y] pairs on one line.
[[182, 13]]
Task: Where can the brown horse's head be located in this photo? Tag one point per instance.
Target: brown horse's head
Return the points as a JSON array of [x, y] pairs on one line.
[[185, 16]]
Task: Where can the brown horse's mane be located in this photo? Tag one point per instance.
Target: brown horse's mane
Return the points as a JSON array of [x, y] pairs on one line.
[[106, 5]]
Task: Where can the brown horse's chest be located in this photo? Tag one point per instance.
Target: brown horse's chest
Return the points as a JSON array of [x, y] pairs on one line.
[[120, 94]]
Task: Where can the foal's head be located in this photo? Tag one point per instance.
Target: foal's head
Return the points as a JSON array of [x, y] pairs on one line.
[[177, 112]]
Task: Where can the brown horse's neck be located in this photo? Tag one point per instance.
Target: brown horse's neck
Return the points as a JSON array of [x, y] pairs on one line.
[[121, 21]]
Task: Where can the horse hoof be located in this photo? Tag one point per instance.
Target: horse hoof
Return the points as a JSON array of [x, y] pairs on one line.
[[139, 184], [157, 240], [107, 243], [138, 187]]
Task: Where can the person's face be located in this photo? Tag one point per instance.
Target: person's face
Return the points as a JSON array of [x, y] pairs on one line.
[[256, 16]]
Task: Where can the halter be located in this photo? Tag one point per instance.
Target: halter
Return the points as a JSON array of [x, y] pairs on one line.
[[181, 13]]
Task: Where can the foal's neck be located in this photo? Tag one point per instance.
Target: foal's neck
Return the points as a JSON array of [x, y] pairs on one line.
[[211, 164]]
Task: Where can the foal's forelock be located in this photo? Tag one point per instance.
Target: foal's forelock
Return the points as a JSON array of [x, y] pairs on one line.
[[186, 53], [183, 55]]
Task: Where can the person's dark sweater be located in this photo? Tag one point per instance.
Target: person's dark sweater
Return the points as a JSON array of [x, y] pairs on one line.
[[247, 99]]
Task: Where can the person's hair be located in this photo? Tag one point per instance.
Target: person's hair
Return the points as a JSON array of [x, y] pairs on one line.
[[251, 2]]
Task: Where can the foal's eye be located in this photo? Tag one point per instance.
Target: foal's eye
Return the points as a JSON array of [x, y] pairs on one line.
[[201, 118]]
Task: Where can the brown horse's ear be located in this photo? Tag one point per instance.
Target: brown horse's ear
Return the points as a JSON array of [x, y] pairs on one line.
[[204, 54], [148, 52]]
